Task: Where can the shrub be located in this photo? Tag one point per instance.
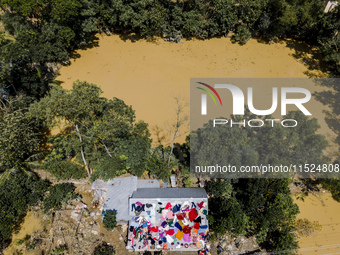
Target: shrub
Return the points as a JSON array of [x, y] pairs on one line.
[[60, 250], [242, 35], [59, 194], [65, 170], [104, 249], [109, 220]]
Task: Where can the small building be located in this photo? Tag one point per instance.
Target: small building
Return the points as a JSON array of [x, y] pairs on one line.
[[168, 219], [114, 194]]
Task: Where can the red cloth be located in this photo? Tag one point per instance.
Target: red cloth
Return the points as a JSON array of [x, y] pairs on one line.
[[181, 216], [153, 229], [193, 214], [197, 225], [168, 206], [200, 205], [170, 232], [187, 230]]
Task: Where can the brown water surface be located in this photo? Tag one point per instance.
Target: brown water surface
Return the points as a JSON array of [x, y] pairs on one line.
[[326, 211], [147, 75]]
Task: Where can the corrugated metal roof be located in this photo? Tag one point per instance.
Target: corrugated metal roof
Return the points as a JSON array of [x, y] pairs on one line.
[[170, 193], [118, 192], [148, 184]]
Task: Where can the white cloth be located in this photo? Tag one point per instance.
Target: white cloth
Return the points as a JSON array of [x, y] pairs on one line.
[[169, 239]]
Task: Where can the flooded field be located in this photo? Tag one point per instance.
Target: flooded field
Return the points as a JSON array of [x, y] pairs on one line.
[[325, 210], [147, 75]]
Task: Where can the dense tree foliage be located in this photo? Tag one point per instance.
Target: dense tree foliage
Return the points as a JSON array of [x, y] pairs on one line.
[[21, 137], [260, 207], [250, 146], [58, 195], [65, 170], [109, 220], [256, 206], [158, 165], [48, 30], [17, 193], [102, 134], [60, 250], [104, 249], [333, 185]]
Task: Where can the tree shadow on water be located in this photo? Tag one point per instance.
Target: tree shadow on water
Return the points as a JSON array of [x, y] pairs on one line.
[[74, 54], [331, 99], [130, 36], [309, 56]]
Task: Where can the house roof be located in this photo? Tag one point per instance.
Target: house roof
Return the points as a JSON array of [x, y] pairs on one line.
[[118, 192], [148, 183], [154, 193]]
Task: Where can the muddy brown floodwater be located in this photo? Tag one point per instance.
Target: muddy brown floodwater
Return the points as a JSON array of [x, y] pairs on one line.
[[325, 210], [148, 75]]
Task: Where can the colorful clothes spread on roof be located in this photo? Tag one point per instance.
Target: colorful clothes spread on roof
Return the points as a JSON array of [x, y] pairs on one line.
[[168, 226]]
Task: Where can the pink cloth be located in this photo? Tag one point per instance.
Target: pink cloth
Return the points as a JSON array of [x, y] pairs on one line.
[[170, 215], [187, 238]]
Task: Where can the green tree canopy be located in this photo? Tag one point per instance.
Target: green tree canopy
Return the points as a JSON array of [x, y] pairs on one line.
[[102, 134], [254, 146], [58, 195], [109, 220], [17, 193]]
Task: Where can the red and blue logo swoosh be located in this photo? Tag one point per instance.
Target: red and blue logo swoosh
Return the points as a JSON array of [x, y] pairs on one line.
[[209, 93]]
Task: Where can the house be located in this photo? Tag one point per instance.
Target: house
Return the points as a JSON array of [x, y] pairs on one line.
[[114, 194], [158, 218], [169, 219]]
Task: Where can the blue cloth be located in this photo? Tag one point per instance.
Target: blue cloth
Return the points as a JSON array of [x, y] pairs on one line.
[[201, 231], [177, 225], [176, 208]]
